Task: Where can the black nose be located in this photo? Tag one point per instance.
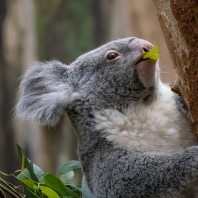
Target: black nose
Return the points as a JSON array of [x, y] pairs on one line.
[[140, 44]]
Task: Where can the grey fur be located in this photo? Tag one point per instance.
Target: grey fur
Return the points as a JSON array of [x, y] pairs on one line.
[[92, 83], [44, 93]]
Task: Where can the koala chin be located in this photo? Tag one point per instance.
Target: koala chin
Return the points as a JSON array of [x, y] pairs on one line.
[[135, 137]]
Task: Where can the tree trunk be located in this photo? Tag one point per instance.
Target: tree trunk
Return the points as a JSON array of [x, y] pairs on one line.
[[179, 23]]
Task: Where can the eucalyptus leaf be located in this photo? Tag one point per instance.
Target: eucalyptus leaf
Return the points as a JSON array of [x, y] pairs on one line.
[[69, 166], [75, 189], [29, 194], [50, 192], [31, 170], [79, 186], [56, 184], [67, 177], [26, 163], [25, 178], [38, 172], [153, 54]]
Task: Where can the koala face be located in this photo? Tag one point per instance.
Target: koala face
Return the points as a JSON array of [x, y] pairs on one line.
[[115, 73], [112, 75]]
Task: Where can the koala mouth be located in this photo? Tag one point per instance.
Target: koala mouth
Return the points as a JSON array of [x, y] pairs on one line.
[[141, 59], [144, 50], [152, 54], [146, 69]]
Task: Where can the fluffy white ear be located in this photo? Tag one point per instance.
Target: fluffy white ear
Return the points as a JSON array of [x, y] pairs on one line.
[[45, 93]]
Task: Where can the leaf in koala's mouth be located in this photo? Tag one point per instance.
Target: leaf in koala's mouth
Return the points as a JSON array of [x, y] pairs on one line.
[[153, 54]]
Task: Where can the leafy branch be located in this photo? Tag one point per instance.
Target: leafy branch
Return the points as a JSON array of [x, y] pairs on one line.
[[36, 183]]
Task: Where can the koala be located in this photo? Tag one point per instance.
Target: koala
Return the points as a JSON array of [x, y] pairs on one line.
[[135, 137]]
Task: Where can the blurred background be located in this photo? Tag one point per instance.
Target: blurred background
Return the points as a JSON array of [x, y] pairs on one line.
[[33, 30]]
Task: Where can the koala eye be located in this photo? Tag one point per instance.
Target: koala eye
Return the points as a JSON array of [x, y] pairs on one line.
[[112, 56]]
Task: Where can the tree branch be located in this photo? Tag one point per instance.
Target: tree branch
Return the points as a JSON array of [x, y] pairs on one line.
[[2, 195], [9, 191]]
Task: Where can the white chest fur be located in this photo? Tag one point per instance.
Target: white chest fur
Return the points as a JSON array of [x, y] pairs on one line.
[[158, 127]]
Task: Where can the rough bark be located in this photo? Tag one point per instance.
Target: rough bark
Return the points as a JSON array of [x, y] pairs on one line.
[[179, 23]]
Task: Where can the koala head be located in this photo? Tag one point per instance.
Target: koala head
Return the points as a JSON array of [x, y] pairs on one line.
[[112, 75]]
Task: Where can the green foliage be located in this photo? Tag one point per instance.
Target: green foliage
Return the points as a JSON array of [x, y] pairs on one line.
[[69, 166], [153, 54], [38, 184]]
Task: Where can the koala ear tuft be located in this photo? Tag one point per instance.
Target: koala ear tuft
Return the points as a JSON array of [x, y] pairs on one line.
[[45, 92]]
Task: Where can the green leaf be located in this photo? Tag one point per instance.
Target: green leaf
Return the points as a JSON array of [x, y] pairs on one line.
[[55, 183], [25, 178], [38, 172], [153, 54], [50, 192], [79, 186], [72, 197], [26, 163], [69, 166], [29, 194], [31, 170], [75, 189], [67, 177]]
